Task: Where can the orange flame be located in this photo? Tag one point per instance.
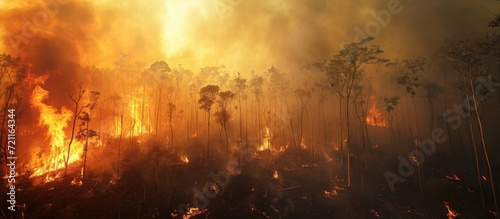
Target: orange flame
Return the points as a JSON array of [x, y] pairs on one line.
[[451, 214], [453, 177], [374, 117], [184, 159], [266, 144], [56, 122], [276, 175]]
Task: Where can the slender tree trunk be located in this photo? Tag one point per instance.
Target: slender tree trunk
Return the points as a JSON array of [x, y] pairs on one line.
[[241, 117], [120, 144], [142, 111], [77, 112], [341, 134], [158, 112], [171, 134], [448, 130], [85, 153], [417, 159], [324, 127], [227, 140], [483, 143], [348, 144], [208, 136]]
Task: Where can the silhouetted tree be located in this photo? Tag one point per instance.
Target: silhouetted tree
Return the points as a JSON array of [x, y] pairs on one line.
[[12, 74], [223, 115], [86, 133], [241, 86], [468, 58], [409, 78], [208, 95], [346, 70], [170, 112], [390, 104], [158, 73], [76, 112]]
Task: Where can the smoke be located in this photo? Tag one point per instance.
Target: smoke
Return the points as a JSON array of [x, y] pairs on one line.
[[60, 37]]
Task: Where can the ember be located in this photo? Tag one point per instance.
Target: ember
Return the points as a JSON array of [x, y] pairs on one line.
[[451, 214]]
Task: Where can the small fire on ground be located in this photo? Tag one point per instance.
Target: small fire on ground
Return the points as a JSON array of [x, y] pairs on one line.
[[451, 214], [184, 159], [275, 175]]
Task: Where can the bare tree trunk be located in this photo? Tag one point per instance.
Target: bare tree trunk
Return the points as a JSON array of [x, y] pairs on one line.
[[347, 144], [171, 134], [341, 134], [417, 159], [227, 141], [75, 115], [120, 144], [85, 149], [208, 136], [483, 143]]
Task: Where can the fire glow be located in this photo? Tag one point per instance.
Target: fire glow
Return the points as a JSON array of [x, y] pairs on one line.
[[55, 121], [374, 117]]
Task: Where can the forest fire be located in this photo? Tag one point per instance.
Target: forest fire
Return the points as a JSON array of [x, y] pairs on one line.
[[275, 175], [138, 122], [55, 121], [450, 213], [266, 141], [374, 117], [189, 109], [184, 159]]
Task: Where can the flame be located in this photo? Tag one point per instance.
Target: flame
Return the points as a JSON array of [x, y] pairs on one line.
[[266, 144], [333, 193], [453, 177], [451, 214], [56, 122], [374, 117], [50, 178], [76, 182], [302, 144], [135, 123], [140, 122], [184, 159], [375, 213], [193, 212], [275, 175]]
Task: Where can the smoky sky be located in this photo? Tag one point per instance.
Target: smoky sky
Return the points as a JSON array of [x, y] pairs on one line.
[[243, 35]]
